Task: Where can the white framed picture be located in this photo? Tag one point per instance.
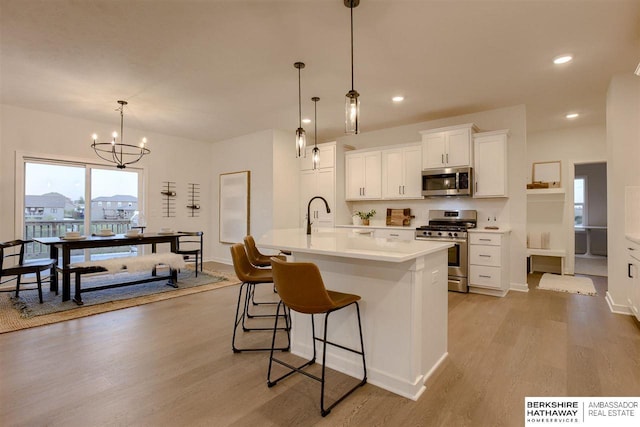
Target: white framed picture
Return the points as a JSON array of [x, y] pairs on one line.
[[234, 202]]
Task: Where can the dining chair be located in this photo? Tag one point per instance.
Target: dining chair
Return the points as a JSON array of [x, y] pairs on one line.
[[302, 290], [14, 266], [250, 277], [190, 246]]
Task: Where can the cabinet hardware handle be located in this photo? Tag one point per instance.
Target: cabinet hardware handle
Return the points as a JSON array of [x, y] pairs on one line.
[[399, 189], [486, 277], [629, 270], [632, 249], [485, 240], [447, 157], [485, 256], [442, 158], [403, 189], [395, 235]]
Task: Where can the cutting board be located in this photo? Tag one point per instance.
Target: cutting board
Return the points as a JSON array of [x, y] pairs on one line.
[[399, 217]]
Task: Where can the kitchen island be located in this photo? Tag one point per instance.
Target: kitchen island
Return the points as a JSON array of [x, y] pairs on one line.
[[403, 285]]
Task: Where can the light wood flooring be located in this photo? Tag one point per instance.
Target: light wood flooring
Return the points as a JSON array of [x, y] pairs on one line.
[[170, 364]]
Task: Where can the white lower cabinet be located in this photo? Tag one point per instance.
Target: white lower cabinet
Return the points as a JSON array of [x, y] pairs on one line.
[[633, 274], [489, 263], [394, 233]]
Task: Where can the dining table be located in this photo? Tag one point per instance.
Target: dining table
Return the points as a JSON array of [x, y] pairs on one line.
[[64, 245]]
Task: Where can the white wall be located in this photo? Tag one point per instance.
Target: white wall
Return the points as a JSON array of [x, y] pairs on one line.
[[554, 213], [623, 157], [172, 159], [508, 212], [274, 181]]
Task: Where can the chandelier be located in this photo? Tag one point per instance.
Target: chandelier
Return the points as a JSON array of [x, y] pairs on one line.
[[118, 152]]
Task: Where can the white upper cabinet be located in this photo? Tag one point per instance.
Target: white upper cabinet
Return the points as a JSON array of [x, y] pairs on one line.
[[447, 147], [327, 157], [401, 172], [363, 175], [490, 164]]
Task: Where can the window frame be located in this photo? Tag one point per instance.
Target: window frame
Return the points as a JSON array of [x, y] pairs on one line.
[[585, 202]]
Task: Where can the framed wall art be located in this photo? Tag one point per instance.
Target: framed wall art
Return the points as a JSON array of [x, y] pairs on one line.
[[234, 202]]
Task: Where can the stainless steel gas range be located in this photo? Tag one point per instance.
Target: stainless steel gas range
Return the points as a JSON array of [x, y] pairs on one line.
[[452, 226]]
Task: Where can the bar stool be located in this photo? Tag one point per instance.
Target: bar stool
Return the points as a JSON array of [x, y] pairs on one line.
[[301, 289], [250, 277], [258, 259]]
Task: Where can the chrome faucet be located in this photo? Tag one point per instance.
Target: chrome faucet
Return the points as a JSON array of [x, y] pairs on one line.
[[309, 208]]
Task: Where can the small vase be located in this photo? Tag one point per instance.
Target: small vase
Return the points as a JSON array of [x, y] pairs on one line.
[[365, 222]]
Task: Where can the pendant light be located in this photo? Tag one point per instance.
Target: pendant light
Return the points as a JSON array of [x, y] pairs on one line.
[[119, 153], [315, 158], [301, 138], [352, 101]]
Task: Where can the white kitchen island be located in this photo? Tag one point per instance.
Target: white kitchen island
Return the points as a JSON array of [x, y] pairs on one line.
[[403, 285]]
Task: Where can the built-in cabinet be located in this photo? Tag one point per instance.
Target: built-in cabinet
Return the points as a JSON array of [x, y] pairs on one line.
[[401, 172], [363, 175], [394, 233], [490, 164], [489, 263], [318, 182], [447, 147], [633, 275]]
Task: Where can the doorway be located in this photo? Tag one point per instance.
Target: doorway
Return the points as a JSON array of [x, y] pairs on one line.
[[590, 218]]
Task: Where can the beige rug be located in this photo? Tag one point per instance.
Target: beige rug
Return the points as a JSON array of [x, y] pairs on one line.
[[10, 319], [571, 284]]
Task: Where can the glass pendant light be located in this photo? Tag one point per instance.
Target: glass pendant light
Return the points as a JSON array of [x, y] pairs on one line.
[[301, 138], [315, 158], [352, 101]]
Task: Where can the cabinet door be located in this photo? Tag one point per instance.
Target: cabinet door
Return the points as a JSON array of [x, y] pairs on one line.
[[412, 182], [458, 152], [327, 157], [372, 175], [393, 172], [433, 150], [490, 166], [354, 176], [325, 179]]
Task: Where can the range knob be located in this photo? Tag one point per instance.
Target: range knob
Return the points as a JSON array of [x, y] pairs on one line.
[[455, 234], [450, 234], [439, 233]]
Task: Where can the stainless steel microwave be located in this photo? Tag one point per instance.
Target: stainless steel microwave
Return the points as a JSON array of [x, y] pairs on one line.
[[447, 182]]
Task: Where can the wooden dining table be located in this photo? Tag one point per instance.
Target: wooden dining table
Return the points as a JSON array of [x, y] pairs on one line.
[[66, 245]]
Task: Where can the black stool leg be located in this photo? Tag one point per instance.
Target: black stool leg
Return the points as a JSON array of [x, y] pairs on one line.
[[39, 285]]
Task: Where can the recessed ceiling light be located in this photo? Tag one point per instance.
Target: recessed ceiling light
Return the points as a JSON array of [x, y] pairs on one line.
[[562, 59], [305, 121], [397, 98], [571, 116]]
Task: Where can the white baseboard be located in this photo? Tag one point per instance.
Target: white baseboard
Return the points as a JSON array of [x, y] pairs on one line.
[[519, 287], [617, 308]]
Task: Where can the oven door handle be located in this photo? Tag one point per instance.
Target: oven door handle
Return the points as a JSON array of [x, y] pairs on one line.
[[442, 240]]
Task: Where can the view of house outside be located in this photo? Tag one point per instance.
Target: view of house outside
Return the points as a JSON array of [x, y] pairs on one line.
[[54, 203]]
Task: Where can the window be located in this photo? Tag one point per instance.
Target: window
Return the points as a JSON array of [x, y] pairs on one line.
[[580, 201], [62, 187]]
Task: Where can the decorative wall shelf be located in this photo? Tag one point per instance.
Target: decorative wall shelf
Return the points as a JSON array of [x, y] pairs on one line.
[[168, 199], [194, 199]]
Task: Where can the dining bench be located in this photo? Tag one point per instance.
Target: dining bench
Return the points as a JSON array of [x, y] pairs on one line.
[[132, 264]]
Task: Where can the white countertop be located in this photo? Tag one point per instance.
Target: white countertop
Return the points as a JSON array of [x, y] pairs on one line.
[[635, 238], [379, 227], [346, 243], [501, 230]]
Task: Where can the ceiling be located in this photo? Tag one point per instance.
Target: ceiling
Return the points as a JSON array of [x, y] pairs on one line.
[[210, 70]]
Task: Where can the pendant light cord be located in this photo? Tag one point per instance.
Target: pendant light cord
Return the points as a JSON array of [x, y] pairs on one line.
[[299, 101], [315, 123], [351, 8]]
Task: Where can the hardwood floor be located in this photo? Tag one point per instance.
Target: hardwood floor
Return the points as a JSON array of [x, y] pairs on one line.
[[170, 363]]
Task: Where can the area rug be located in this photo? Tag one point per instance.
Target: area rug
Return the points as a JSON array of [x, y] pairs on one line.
[[571, 284], [12, 318]]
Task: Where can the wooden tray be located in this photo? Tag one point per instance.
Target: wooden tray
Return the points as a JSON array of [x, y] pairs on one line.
[[399, 217]]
